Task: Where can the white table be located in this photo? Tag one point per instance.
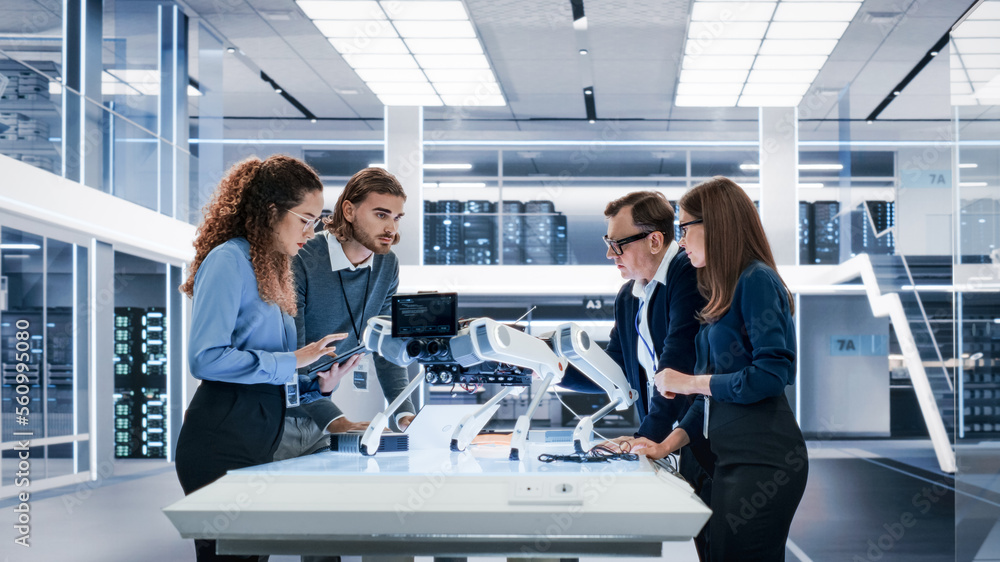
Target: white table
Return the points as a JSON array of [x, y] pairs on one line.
[[442, 503]]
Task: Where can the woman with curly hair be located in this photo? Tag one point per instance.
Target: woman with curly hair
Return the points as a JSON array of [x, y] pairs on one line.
[[745, 359], [242, 342]]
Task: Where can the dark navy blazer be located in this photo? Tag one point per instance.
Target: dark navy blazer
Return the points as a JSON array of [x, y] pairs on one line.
[[672, 324]]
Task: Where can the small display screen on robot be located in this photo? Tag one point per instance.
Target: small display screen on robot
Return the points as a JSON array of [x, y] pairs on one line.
[[424, 314]]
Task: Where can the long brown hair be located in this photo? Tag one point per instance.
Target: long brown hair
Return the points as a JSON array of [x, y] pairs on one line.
[[250, 201], [734, 238], [369, 180]]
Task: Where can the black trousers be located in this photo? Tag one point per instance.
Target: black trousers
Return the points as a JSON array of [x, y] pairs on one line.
[[760, 475], [227, 426], [696, 466]]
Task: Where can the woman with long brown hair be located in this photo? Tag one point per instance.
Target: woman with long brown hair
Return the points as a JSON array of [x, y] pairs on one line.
[[745, 358], [243, 342]]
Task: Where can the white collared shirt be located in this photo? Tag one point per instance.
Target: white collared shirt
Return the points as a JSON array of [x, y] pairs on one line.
[[646, 347], [338, 259]]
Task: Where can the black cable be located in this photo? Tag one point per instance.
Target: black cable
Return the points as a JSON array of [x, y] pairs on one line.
[[598, 454]]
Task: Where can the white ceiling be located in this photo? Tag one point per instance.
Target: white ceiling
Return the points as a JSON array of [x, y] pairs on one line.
[[634, 56]]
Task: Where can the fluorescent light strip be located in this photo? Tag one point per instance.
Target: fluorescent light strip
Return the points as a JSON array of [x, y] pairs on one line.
[[432, 166], [410, 53], [788, 42], [835, 167]]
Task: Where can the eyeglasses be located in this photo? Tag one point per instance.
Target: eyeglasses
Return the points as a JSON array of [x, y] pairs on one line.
[[684, 226], [310, 223], [616, 245]]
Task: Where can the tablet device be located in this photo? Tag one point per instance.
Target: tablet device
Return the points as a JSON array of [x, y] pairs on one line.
[[327, 361]]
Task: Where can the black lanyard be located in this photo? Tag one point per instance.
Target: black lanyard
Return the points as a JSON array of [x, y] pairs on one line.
[[361, 314]]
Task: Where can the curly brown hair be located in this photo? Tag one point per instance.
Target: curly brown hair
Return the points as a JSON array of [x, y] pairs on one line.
[[249, 202]]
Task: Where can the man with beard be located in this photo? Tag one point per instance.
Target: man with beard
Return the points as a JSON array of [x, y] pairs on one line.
[[343, 277]]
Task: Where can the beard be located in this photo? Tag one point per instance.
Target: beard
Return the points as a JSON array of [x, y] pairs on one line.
[[370, 241]]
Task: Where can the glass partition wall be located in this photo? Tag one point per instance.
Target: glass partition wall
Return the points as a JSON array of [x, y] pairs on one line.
[[43, 357], [975, 75]]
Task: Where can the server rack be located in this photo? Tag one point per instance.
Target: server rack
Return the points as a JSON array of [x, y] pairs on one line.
[[140, 359], [479, 233]]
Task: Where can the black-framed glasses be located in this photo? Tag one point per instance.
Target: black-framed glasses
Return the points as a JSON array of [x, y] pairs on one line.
[[684, 226], [616, 245]]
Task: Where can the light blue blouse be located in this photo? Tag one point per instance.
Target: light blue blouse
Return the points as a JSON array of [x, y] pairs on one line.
[[235, 336]]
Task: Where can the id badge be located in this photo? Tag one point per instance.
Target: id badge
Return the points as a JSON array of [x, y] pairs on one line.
[[292, 394], [361, 377], [704, 427]]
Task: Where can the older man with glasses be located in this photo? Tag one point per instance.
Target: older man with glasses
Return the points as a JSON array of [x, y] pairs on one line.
[[655, 324]]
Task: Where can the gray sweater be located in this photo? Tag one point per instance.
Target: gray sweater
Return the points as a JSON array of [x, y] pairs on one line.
[[322, 311]]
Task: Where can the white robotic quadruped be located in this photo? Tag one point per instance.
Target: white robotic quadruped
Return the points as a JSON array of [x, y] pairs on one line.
[[485, 339]]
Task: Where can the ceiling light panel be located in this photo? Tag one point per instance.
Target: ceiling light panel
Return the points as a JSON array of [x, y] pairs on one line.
[[789, 42], [711, 47], [807, 30], [404, 88], [816, 11], [713, 76], [381, 61], [410, 53], [705, 101], [719, 63], [699, 89], [435, 29], [799, 89], [453, 61], [814, 62], [370, 29], [366, 46], [727, 30], [413, 100], [390, 75], [459, 75], [422, 46], [453, 10], [732, 11], [787, 47]]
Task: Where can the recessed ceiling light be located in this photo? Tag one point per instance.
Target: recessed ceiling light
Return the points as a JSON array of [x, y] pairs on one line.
[[705, 101], [277, 90], [473, 100], [870, 121], [401, 99], [230, 49], [312, 120], [356, 10], [583, 51], [895, 93], [592, 121], [934, 53], [435, 29], [425, 10], [588, 91]]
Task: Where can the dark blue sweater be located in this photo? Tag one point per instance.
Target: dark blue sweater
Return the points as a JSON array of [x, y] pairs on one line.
[[672, 324], [750, 351]]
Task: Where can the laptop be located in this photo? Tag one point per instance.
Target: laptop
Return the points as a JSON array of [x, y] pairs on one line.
[[434, 425]]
